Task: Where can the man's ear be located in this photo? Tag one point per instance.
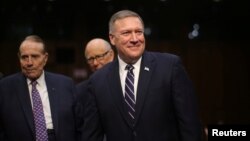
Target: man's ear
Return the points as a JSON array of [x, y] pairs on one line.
[[111, 38], [46, 57]]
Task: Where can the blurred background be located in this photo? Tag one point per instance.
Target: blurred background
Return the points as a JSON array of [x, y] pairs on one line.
[[211, 37]]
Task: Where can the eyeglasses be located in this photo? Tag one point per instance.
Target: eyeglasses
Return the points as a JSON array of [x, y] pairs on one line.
[[97, 57]]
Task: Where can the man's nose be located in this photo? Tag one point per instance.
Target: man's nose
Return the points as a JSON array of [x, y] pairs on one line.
[[95, 62], [29, 61], [134, 38]]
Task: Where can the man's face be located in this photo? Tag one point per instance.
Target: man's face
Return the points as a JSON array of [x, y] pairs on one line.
[[97, 57], [32, 59], [128, 38]]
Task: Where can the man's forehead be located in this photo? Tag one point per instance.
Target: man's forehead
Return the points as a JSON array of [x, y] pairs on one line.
[[31, 48], [31, 44]]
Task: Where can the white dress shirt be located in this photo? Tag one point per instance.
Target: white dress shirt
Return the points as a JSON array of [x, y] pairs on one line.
[[42, 89], [123, 73]]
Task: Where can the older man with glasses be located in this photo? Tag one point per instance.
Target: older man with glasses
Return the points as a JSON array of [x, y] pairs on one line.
[[98, 52]]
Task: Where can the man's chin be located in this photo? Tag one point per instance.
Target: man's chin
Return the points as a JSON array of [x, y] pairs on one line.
[[31, 76]]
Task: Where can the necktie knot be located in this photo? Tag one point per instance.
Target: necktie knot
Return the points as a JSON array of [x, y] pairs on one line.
[[129, 67], [34, 83]]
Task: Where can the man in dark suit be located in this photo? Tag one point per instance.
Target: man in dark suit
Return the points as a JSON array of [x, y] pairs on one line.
[[98, 52], [20, 118], [140, 96]]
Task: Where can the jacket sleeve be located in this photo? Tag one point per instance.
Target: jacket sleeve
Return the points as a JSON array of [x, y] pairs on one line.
[[185, 104], [92, 129]]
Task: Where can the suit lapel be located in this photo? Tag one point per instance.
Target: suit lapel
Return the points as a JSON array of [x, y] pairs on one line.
[[146, 71], [53, 99], [24, 97]]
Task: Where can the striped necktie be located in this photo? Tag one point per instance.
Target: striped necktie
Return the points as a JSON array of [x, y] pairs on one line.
[[129, 92], [39, 119]]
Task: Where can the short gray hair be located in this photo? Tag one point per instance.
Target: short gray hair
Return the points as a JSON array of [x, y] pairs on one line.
[[37, 39], [121, 15]]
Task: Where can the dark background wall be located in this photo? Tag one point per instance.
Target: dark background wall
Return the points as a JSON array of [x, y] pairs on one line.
[[211, 36]]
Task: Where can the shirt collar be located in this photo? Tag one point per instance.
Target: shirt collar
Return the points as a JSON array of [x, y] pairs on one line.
[[122, 64], [40, 80]]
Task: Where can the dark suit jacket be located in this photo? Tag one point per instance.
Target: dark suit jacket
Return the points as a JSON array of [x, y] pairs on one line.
[[166, 108], [16, 117], [81, 96]]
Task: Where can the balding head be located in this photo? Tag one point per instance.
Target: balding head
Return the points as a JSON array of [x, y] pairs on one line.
[[98, 52]]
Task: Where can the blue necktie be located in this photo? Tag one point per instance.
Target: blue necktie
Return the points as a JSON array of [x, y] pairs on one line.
[[129, 92], [39, 119]]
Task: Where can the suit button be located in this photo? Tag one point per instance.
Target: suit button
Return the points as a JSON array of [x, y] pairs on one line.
[[134, 133]]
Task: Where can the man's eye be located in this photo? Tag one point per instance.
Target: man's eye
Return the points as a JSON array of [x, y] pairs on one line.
[[125, 33], [139, 32], [24, 57], [90, 59], [98, 56], [35, 56]]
